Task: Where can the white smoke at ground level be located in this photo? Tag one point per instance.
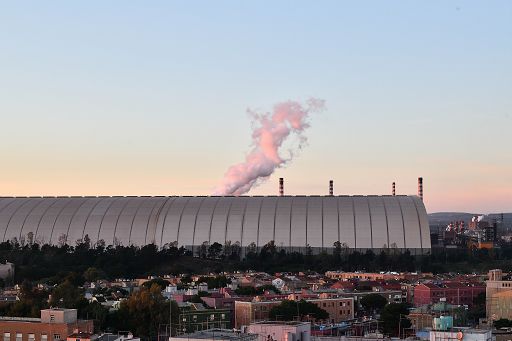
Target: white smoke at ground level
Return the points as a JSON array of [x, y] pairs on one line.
[[269, 131]]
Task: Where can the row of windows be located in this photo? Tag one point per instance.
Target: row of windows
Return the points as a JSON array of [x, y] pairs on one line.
[[30, 337], [211, 317], [342, 304]]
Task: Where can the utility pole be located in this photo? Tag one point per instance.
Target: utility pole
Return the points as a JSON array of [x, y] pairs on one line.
[[170, 317]]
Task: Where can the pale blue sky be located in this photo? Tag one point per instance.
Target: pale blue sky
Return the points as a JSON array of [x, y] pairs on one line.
[[150, 98]]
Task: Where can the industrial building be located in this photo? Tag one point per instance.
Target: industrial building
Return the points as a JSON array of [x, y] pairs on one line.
[[293, 222]]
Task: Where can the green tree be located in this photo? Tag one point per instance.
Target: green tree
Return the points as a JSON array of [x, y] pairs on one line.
[[502, 323], [162, 283], [394, 320], [288, 310], [477, 311], [92, 274], [144, 311], [215, 250], [337, 251], [373, 302], [67, 295]]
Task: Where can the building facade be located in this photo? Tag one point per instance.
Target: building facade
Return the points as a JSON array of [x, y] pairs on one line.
[[193, 320], [54, 325], [450, 292], [498, 292], [339, 309], [281, 331]]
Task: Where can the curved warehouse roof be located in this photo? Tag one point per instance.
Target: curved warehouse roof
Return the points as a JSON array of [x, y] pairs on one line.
[[362, 222]]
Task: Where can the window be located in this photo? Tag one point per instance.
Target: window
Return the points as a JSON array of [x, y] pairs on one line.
[[56, 336], [19, 337], [31, 337], [7, 336], [223, 316], [52, 318], [44, 337]]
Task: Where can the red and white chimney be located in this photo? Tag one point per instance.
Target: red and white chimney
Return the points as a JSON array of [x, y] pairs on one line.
[[420, 188]]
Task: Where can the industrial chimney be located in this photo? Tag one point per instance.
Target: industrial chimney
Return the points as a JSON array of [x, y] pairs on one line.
[[420, 188], [281, 187], [393, 189], [331, 188]]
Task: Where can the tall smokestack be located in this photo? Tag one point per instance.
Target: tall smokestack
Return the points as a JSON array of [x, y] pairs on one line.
[[420, 188], [281, 187], [393, 188], [331, 188]]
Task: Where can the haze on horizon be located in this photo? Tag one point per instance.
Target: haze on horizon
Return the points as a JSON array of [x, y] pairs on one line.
[[119, 98]]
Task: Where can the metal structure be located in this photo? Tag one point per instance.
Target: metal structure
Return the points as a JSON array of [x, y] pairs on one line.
[[292, 222], [420, 188]]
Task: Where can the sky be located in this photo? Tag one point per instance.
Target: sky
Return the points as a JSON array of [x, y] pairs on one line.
[[151, 98]]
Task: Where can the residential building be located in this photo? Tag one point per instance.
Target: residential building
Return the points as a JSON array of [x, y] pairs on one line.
[[54, 325], [253, 311], [461, 334], [195, 317], [215, 334], [498, 292], [281, 331], [367, 276], [451, 292], [443, 329], [82, 336], [339, 308]]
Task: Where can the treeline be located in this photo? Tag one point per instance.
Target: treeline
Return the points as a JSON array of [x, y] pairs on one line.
[[52, 263]]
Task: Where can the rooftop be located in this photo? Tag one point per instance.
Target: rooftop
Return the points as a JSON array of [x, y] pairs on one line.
[[217, 334], [280, 323]]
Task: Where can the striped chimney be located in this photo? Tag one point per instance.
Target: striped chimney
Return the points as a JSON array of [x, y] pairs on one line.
[[331, 188], [393, 188], [420, 188], [281, 187]]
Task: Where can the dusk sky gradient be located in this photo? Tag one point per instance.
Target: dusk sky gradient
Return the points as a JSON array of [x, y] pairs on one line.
[[150, 98]]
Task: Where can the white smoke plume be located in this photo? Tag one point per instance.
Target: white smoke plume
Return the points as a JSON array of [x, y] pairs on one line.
[[269, 131]]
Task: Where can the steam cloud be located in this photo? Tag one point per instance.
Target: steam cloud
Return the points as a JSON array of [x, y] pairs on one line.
[[269, 131]]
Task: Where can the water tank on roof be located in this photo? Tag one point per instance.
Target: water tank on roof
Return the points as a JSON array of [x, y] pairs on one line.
[[443, 323]]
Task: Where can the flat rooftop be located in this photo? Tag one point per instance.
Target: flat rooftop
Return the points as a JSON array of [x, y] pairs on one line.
[[20, 319], [280, 323], [216, 334]]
